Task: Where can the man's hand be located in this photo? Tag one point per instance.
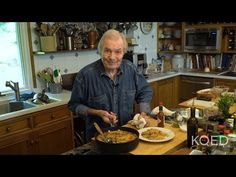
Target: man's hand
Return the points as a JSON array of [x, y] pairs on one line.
[[108, 117], [146, 117]]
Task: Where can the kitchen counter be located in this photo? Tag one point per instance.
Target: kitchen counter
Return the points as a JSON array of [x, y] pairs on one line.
[[64, 97], [169, 74], [143, 148], [205, 104], [61, 98]]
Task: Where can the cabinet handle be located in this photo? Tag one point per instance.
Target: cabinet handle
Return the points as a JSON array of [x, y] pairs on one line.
[[8, 129], [194, 82], [31, 141], [53, 117]]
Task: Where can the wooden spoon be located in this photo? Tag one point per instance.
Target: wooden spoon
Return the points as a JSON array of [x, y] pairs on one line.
[[101, 132], [44, 29]]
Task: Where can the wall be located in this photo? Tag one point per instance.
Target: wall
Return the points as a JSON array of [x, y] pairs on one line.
[[147, 42], [71, 62]]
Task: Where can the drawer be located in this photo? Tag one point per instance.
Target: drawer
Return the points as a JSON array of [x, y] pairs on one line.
[[15, 126], [50, 115]]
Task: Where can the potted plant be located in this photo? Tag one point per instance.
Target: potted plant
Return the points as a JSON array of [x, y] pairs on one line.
[[224, 104]]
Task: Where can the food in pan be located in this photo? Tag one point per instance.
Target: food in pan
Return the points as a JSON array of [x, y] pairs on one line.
[[118, 136]]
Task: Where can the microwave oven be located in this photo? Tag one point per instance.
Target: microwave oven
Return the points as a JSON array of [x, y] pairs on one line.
[[202, 39]]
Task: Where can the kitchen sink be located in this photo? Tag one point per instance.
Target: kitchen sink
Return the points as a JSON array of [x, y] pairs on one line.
[[43, 102], [13, 106]]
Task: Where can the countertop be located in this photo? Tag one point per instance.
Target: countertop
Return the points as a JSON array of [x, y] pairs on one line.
[[201, 104], [169, 74], [61, 98], [143, 148]]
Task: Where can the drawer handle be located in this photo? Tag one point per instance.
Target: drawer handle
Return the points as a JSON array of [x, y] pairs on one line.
[[53, 117], [8, 129]]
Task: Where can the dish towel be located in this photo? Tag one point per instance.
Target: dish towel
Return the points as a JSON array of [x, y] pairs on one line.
[[138, 121], [166, 111]]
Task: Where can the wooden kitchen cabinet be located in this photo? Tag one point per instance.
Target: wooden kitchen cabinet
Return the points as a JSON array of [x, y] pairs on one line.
[[226, 82], [154, 101], [44, 132], [16, 144], [167, 92], [169, 37], [53, 139], [229, 39]]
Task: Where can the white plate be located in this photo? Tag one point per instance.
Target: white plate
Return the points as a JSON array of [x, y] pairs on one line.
[[170, 134], [203, 90]]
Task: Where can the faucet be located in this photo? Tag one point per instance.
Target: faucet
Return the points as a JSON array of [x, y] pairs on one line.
[[15, 88]]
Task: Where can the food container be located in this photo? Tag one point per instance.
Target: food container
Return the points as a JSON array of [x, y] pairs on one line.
[[48, 43], [178, 62], [55, 88]]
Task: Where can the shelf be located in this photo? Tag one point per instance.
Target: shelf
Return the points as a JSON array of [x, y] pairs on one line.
[[170, 38], [211, 25], [62, 51], [178, 25], [170, 51], [230, 51]]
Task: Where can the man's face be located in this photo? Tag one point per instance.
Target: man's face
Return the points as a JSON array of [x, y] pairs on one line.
[[112, 53]]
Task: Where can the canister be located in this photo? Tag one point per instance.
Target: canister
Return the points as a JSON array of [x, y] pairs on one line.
[[178, 62]]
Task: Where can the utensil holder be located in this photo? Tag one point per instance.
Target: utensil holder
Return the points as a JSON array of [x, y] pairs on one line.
[[55, 88], [48, 43]]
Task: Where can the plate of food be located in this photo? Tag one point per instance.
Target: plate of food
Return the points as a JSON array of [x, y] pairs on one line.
[[208, 94], [155, 134]]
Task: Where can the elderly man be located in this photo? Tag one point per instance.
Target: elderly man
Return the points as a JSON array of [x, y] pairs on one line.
[[105, 91]]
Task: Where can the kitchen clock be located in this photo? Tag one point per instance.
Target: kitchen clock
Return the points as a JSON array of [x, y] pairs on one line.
[[146, 27]]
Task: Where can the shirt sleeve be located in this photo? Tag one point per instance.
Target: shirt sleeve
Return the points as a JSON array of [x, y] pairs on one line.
[[145, 107], [77, 98], [144, 93]]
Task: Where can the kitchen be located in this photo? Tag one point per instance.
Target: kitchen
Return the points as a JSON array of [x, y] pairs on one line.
[[79, 59]]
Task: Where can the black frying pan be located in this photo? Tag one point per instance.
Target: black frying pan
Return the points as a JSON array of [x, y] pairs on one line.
[[111, 148]]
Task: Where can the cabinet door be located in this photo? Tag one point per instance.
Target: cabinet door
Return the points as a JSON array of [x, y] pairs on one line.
[[55, 138], [155, 101], [16, 144], [166, 93], [230, 83]]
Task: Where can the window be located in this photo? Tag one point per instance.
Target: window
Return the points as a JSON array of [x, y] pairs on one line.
[[15, 62]]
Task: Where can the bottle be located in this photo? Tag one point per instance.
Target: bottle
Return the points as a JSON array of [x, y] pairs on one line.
[[192, 129], [160, 116]]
